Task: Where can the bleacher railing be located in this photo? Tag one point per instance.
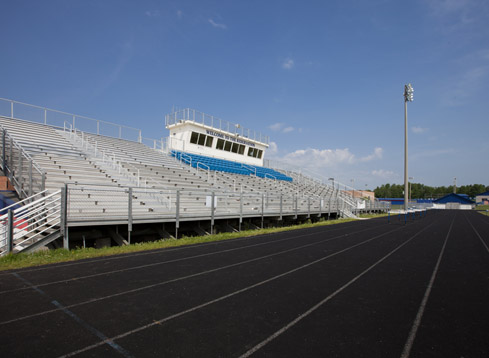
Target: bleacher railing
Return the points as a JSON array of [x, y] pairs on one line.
[[23, 172], [36, 218], [54, 118], [194, 116], [123, 205]]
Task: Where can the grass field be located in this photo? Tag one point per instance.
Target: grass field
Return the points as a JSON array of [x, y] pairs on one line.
[[483, 209], [16, 261]]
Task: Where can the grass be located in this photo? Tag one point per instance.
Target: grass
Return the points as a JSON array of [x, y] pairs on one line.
[[371, 216], [483, 209], [17, 261]]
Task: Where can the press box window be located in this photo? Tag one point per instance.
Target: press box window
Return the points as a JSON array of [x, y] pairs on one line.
[[194, 138], [201, 139], [255, 153], [208, 142], [220, 144]]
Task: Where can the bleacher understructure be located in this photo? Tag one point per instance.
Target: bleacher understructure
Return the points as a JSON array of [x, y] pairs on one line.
[[79, 188]]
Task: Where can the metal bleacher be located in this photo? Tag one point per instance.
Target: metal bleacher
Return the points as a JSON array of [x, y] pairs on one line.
[[68, 178]]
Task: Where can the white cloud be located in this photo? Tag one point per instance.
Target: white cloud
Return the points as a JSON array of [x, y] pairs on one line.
[[217, 25], [276, 126], [419, 130], [385, 174], [152, 13], [324, 158], [288, 64], [279, 127], [377, 154]]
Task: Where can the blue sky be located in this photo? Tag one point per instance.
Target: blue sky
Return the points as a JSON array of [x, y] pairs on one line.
[[324, 79]]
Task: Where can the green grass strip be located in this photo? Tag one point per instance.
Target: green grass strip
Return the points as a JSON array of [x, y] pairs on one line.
[[44, 257]]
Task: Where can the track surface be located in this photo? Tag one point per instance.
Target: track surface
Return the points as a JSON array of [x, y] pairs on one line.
[[359, 289]]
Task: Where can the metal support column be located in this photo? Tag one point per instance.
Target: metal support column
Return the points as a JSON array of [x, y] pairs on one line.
[[177, 214], [212, 212], [308, 207], [11, 165], [10, 231], [4, 157], [281, 206], [240, 209], [296, 208], [129, 215], [262, 209], [30, 178], [64, 216], [19, 174]]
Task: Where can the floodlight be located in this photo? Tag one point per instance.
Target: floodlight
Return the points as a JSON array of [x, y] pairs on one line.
[[408, 93]]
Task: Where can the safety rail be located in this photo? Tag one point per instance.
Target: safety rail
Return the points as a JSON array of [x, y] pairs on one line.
[[46, 218], [205, 168], [29, 224], [250, 168], [24, 173], [160, 145], [55, 118], [185, 159]]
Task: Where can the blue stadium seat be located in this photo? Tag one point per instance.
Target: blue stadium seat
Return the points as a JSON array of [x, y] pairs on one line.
[[228, 166]]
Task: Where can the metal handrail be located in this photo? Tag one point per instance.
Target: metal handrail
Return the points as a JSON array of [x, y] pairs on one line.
[[251, 169], [36, 168], [74, 118], [207, 170], [38, 215], [22, 202]]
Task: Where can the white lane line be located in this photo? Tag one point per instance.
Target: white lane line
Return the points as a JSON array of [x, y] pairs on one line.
[[195, 308], [176, 279], [322, 302], [477, 233], [417, 321], [73, 279], [163, 250], [78, 320]]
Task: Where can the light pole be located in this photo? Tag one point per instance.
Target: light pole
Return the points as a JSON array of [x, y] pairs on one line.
[[408, 97]]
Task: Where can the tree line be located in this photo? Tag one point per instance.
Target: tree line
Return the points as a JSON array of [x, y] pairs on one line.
[[421, 191]]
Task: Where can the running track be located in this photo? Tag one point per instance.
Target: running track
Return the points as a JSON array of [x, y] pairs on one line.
[[359, 289]]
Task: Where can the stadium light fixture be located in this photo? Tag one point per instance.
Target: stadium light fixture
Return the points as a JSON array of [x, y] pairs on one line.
[[408, 97]]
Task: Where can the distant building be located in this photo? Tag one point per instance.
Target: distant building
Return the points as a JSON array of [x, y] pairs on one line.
[[454, 201], [362, 194], [482, 198]]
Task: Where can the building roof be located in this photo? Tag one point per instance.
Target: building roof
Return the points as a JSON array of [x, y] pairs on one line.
[[453, 198], [484, 193]]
